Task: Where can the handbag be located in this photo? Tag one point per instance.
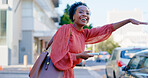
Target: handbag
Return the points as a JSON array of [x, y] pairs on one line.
[[44, 68]]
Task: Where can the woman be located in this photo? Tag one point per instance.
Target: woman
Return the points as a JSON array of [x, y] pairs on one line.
[[70, 39]]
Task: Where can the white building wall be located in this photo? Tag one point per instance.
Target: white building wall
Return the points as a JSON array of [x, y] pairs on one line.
[[128, 35], [9, 31], [26, 43], [37, 27], [22, 29], [27, 15], [10, 51], [3, 56], [16, 31]]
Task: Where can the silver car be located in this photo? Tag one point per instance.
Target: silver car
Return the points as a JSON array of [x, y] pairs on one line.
[[103, 56], [120, 57], [137, 67]]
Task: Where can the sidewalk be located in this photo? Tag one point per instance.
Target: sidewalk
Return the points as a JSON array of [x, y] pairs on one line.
[[18, 70]]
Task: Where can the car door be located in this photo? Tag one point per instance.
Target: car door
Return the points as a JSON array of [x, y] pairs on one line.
[[111, 63], [133, 65]]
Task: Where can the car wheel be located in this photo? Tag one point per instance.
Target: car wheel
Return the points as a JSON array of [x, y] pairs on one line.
[[106, 73], [84, 65], [114, 75], [98, 60]]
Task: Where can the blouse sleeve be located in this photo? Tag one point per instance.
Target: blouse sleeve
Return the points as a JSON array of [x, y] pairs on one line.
[[99, 34], [60, 55]]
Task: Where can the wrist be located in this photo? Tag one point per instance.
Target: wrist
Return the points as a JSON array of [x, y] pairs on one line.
[[78, 56], [129, 20]]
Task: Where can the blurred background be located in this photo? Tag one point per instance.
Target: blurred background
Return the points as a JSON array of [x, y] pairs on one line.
[[26, 26]]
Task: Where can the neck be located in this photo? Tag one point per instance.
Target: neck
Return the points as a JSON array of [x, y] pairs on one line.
[[78, 27]]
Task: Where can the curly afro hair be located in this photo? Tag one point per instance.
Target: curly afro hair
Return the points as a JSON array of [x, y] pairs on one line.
[[73, 8]]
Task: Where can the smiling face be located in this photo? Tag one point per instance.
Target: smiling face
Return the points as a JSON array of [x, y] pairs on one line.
[[81, 16]]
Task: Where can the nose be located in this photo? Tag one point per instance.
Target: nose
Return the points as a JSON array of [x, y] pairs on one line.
[[85, 15]]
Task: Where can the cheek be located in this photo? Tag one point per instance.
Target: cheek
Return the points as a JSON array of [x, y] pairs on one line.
[[76, 19]]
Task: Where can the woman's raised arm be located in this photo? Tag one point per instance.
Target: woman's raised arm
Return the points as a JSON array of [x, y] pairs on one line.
[[133, 21]]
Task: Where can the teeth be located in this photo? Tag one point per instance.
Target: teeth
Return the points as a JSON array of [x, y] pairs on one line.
[[84, 19]]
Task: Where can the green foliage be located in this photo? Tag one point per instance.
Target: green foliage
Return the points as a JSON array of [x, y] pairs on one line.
[[88, 27], [107, 45], [65, 18]]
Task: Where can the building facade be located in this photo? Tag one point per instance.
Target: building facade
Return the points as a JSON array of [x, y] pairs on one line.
[[128, 35], [26, 26]]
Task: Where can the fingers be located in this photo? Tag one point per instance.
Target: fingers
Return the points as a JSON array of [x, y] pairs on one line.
[[138, 22], [146, 23], [87, 51], [91, 55]]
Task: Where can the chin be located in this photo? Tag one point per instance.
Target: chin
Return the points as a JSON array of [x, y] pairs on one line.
[[84, 24]]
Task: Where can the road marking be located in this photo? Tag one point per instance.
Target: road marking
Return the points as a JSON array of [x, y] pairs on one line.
[[91, 70], [94, 73]]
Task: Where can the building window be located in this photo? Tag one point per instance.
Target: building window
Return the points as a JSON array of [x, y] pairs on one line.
[[4, 1], [3, 27]]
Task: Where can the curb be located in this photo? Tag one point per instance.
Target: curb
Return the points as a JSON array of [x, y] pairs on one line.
[[14, 72]]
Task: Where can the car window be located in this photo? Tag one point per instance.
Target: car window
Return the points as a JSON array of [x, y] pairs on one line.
[[134, 63], [114, 55], [146, 63], [128, 54], [143, 64]]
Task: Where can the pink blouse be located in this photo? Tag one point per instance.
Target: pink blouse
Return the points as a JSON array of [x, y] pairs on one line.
[[64, 48]]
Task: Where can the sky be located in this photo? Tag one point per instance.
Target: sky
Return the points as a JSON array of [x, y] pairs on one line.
[[99, 8]]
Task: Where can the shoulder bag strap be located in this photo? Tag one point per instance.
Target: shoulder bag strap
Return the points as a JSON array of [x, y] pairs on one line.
[[50, 42]]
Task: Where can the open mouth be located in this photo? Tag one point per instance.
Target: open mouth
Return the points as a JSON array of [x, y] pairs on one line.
[[84, 19]]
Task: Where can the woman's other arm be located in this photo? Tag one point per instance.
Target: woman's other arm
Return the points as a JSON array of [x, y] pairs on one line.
[[84, 55]]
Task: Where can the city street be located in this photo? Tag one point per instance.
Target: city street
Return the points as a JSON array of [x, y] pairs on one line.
[[98, 67], [105, 34], [91, 70]]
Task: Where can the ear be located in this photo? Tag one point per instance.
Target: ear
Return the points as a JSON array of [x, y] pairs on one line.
[[73, 17]]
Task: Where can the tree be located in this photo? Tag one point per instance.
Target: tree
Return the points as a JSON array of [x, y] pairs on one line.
[[65, 18], [107, 45]]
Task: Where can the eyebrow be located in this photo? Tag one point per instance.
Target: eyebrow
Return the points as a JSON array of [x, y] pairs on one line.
[[83, 10]]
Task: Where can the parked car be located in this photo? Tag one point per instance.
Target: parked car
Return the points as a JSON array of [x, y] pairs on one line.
[[82, 63], [103, 56], [120, 57], [137, 67]]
